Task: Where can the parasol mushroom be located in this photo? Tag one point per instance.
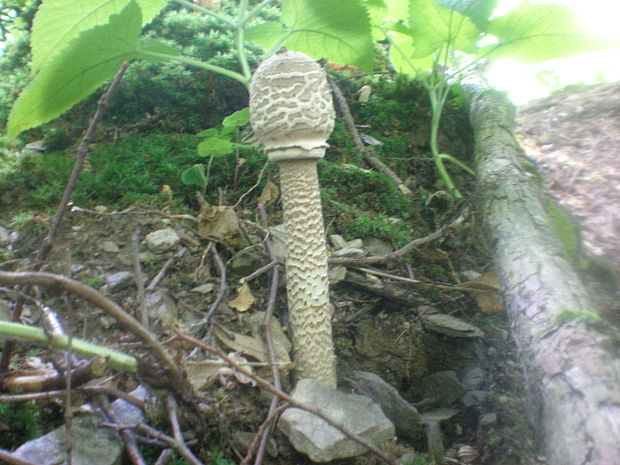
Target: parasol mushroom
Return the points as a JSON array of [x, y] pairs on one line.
[[292, 115]]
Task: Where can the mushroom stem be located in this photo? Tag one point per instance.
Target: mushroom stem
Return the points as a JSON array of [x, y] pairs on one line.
[[306, 269]]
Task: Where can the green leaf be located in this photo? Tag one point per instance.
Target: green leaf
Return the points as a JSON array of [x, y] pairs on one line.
[[238, 118], [435, 26], [478, 10], [401, 55], [59, 21], [214, 146], [539, 32], [91, 58], [194, 176], [267, 34], [336, 30], [156, 46], [211, 132]]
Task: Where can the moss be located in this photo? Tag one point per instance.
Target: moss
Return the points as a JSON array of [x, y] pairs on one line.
[[565, 230], [573, 315]]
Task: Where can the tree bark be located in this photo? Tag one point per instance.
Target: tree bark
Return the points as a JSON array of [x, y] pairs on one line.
[[572, 372]]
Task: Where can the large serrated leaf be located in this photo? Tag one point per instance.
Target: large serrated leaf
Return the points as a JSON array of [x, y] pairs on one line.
[[478, 10], [93, 57], [59, 21], [539, 32], [336, 30], [401, 55], [435, 26]]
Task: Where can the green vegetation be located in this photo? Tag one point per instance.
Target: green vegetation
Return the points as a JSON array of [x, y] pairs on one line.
[[573, 315], [564, 229], [26, 420]]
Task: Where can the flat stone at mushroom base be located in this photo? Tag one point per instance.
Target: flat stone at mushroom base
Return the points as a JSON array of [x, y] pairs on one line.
[[322, 442]]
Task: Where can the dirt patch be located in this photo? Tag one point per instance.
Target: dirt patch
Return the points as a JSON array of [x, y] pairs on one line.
[[574, 136]]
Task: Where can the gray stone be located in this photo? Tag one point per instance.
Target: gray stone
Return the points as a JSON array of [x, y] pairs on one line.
[[115, 282], [161, 308], [204, 288], [5, 236], [349, 252], [110, 247], [243, 439], [405, 416], [336, 274], [338, 241], [92, 444], [488, 419], [450, 326], [443, 386], [162, 240], [375, 246], [245, 262], [37, 146], [473, 378], [322, 442], [474, 398]]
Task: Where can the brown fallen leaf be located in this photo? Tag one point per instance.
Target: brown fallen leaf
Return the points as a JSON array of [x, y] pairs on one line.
[[486, 292], [244, 299]]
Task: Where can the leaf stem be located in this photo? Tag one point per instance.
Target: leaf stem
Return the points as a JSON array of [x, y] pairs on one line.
[[200, 64], [206, 11]]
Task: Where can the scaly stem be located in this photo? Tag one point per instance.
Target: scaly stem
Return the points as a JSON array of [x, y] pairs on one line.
[[307, 285]]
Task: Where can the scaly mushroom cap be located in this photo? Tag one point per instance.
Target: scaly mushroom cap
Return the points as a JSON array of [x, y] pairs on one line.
[[291, 108]]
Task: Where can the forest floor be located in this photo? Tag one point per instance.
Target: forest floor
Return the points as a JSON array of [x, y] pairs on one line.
[[378, 321]]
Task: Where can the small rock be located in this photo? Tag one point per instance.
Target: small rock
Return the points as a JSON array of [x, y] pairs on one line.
[[91, 442], [375, 246], [110, 247], [322, 442], [5, 236], [245, 262], [204, 288], [450, 326], [162, 240], [349, 252], [488, 419], [336, 274], [106, 322], [474, 378], [443, 385], [161, 308], [115, 282], [338, 241], [355, 244], [405, 416], [37, 146], [470, 275], [14, 237], [243, 439], [474, 398]]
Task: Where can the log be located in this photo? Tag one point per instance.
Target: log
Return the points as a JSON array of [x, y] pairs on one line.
[[572, 373]]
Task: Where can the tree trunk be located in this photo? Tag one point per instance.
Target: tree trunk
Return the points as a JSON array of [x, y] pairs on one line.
[[571, 366]]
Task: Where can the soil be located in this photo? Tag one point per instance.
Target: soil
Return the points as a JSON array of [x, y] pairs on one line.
[[573, 136]]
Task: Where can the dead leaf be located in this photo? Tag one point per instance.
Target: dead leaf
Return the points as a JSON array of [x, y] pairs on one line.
[[244, 299], [270, 193], [219, 223], [486, 293], [253, 347]]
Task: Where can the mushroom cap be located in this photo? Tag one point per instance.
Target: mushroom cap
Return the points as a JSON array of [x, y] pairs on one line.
[[291, 108]]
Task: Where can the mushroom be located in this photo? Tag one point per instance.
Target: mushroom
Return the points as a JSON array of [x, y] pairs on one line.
[[292, 115], [434, 438]]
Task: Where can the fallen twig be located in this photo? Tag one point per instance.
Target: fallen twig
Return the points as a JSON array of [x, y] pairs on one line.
[[171, 405], [129, 438], [164, 269]]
